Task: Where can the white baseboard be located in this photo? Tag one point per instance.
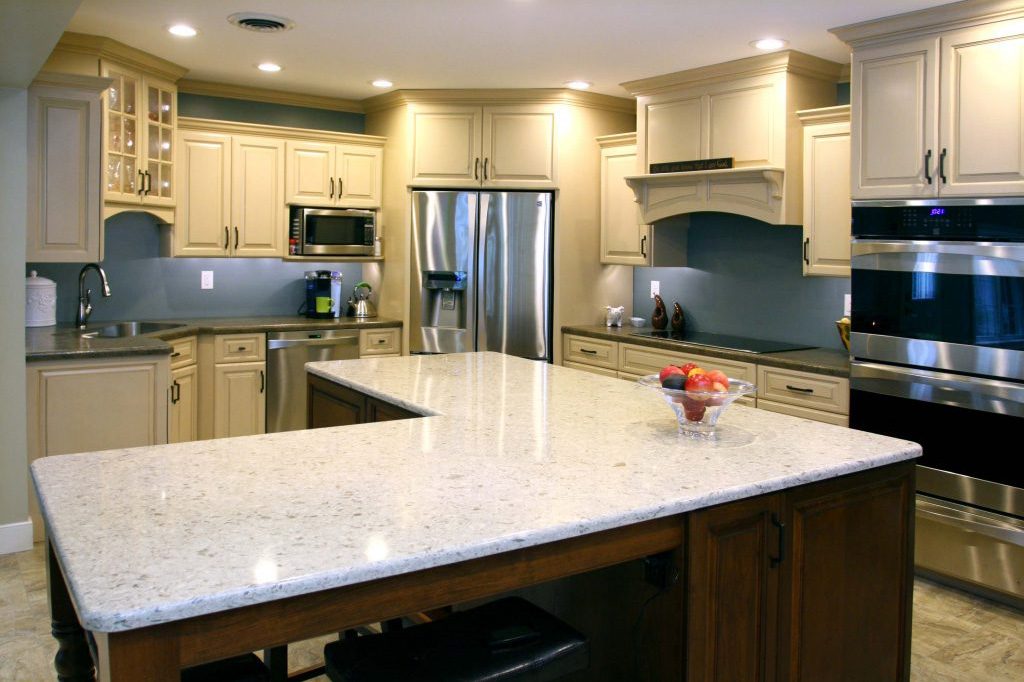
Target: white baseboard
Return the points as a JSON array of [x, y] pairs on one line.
[[16, 537]]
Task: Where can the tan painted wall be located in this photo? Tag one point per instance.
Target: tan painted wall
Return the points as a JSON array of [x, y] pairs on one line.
[[13, 160]]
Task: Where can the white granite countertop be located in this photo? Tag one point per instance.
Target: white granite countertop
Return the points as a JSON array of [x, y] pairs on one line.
[[518, 453]]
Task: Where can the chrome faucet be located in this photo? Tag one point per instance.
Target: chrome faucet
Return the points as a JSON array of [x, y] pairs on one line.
[[84, 306]]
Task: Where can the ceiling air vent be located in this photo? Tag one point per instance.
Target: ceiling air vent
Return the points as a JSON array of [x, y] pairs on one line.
[[261, 23]]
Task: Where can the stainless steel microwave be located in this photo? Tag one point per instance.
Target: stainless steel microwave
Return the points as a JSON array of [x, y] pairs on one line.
[[331, 231]]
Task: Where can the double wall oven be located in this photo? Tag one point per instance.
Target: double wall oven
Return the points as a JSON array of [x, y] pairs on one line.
[[937, 341]]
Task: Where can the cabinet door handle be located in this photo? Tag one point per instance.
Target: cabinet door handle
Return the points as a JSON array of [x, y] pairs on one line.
[[798, 389], [175, 392], [142, 182], [263, 381], [486, 161], [236, 237], [942, 166], [807, 244], [332, 188], [227, 237], [340, 186], [781, 548], [643, 243], [149, 183], [476, 168], [928, 166], [588, 351]]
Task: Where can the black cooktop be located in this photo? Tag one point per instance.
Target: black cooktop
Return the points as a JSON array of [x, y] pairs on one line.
[[739, 343]]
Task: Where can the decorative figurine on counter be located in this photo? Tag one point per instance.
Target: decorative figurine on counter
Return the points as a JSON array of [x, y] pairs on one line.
[[678, 320], [660, 317], [613, 318]]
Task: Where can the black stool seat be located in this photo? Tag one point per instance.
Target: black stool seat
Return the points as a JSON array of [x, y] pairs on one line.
[[508, 639], [246, 668]]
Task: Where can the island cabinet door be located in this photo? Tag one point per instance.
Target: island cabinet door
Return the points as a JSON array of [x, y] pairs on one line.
[[328, 404], [847, 578], [732, 591]]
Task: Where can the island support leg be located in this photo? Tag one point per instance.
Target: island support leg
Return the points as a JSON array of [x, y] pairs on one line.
[[73, 661]]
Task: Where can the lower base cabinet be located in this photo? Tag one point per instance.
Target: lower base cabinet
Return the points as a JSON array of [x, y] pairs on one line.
[[239, 407], [329, 404], [811, 583], [183, 411]]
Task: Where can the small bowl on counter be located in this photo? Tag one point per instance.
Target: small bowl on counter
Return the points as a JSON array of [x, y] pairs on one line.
[[638, 321], [698, 412]]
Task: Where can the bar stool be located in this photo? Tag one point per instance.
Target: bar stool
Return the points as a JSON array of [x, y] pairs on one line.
[[508, 639]]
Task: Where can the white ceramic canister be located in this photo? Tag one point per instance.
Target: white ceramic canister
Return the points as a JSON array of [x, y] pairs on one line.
[[40, 301]]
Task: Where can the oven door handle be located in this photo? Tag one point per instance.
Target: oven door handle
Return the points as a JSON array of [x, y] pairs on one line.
[[870, 247], [950, 258], [1012, 536], [957, 390]]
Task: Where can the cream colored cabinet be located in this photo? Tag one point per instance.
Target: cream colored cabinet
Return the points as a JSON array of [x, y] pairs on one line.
[[98, 404], [64, 203], [826, 191], [183, 402], [231, 199], [491, 146], [140, 112], [624, 238], [239, 385], [385, 342], [636, 361], [322, 174], [804, 394], [939, 115]]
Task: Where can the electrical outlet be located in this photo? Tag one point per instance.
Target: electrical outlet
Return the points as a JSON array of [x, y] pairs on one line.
[[655, 287], [846, 305], [206, 279]]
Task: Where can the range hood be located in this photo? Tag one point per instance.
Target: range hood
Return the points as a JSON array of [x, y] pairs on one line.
[[744, 110]]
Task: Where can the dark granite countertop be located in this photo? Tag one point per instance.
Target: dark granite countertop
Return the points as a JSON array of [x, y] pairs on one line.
[[818, 360], [64, 341]]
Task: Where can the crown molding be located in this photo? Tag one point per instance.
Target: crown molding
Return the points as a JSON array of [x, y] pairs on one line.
[[616, 140], [95, 84], [209, 125], [108, 48], [942, 18], [483, 97], [254, 94], [840, 114], [784, 61]]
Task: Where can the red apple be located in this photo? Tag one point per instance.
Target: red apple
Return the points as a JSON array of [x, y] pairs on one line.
[[668, 371], [718, 376], [687, 367], [698, 382]]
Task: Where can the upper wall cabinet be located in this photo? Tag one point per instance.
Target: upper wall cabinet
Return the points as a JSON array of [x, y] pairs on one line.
[[624, 238], [64, 223], [826, 191], [937, 110], [743, 110], [511, 146], [323, 174], [139, 116]]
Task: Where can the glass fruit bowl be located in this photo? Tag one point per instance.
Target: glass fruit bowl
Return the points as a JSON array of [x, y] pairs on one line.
[[698, 411]]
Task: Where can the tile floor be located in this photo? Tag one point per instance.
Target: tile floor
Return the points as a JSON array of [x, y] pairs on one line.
[[957, 637]]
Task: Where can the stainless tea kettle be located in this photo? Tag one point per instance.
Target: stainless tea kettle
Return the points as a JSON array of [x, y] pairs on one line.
[[360, 305]]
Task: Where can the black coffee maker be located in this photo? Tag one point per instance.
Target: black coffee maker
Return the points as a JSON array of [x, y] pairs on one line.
[[323, 293]]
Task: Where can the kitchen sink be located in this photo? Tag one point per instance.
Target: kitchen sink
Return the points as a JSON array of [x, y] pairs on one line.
[[123, 329]]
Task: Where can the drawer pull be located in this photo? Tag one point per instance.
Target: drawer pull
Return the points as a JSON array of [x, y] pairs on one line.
[[175, 354], [798, 389], [588, 351], [382, 340], [242, 349]]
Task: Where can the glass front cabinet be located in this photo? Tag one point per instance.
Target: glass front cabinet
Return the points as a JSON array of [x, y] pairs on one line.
[[138, 140]]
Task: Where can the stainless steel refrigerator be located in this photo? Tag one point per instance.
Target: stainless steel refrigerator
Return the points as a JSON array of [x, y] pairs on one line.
[[481, 272]]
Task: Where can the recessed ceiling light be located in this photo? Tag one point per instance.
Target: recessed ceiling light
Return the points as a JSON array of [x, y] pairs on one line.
[[769, 43], [182, 30], [578, 85], [269, 67], [381, 83]]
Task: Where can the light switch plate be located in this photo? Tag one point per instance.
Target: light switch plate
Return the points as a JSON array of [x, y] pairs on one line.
[[206, 279], [655, 287], [846, 304]]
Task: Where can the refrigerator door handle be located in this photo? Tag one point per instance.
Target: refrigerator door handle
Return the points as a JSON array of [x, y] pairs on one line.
[[484, 271]]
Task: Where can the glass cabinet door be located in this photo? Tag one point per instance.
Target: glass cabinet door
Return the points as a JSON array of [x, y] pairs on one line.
[[159, 140], [122, 174]]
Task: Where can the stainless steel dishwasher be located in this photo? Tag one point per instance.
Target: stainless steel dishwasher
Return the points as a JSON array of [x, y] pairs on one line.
[[287, 355]]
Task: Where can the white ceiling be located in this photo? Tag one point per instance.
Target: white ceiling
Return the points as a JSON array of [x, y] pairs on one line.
[[338, 46]]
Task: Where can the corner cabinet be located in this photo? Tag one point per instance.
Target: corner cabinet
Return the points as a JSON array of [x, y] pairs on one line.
[[231, 199], [624, 237], [493, 146], [64, 199], [139, 117], [826, 141], [937, 113], [322, 174]]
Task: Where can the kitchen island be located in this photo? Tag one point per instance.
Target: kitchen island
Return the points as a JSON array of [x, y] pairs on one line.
[[518, 473]]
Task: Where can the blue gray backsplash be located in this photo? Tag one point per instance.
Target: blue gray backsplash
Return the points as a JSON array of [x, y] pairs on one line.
[[744, 277], [145, 286]]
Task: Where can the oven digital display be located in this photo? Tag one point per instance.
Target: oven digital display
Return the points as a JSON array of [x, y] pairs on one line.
[[937, 211]]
